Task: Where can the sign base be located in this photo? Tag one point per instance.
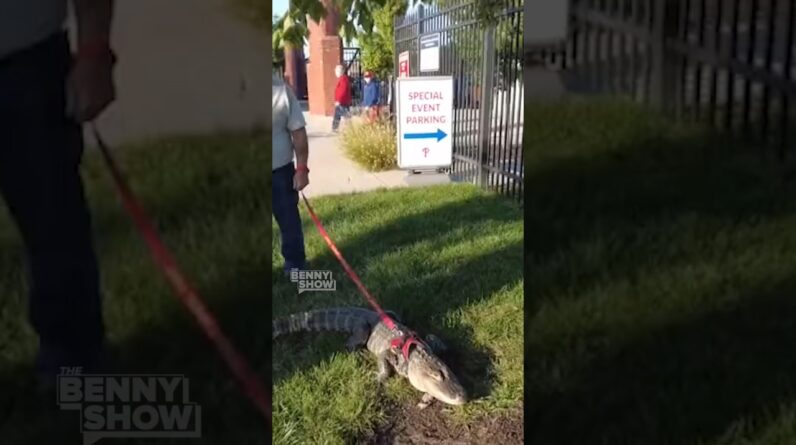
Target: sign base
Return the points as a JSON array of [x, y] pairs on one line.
[[421, 178]]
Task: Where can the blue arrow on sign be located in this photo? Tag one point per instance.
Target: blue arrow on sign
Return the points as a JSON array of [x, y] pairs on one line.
[[439, 135]]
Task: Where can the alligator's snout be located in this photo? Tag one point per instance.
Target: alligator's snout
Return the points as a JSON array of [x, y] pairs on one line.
[[456, 399], [449, 392]]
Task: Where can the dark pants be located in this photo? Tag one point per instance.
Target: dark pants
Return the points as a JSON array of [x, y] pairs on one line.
[[340, 112], [285, 208], [40, 154]]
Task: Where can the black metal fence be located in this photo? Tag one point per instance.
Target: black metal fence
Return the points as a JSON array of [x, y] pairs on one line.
[[352, 61], [729, 63], [486, 65]]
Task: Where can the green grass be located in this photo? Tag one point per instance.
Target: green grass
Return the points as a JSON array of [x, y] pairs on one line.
[[661, 274], [210, 198], [448, 260]]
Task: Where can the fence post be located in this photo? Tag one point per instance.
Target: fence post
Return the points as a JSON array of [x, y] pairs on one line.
[[663, 76], [485, 116]]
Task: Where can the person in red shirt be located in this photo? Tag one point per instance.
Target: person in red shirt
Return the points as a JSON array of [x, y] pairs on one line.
[[342, 97]]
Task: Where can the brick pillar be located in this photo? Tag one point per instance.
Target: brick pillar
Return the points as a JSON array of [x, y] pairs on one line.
[[326, 52]]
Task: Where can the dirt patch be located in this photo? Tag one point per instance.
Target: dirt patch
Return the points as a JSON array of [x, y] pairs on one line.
[[431, 426]]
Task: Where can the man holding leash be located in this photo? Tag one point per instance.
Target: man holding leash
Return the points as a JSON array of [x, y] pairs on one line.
[[45, 96], [288, 138]]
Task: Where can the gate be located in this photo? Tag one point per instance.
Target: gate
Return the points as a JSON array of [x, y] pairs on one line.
[[727, 63], [486, 65], [352, 61]]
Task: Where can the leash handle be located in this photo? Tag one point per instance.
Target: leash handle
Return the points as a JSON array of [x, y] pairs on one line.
[[349, 270], [249, 381]]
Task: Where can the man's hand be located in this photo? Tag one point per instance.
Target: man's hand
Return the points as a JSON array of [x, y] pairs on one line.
[[336, 104], [90, 88], [300, 180]]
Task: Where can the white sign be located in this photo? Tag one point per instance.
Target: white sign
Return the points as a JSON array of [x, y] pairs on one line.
[[429, 53], [425, 122], [546, 22]]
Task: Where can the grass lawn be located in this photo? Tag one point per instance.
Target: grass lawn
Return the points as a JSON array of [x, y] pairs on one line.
[[449, 260], [661, 283], [210, 198]]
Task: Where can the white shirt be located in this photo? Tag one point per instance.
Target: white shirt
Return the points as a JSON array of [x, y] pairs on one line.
[[286, 118]]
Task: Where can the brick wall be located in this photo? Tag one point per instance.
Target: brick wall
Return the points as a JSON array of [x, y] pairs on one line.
[[326, 52]]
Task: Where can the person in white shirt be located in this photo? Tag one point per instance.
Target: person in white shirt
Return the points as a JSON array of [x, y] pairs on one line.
[[45, 96], [288, 139]]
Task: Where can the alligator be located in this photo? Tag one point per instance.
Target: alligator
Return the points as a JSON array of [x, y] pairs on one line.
[[396, 349]]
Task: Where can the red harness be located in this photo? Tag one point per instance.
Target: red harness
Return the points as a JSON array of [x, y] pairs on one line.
[[405, 342]]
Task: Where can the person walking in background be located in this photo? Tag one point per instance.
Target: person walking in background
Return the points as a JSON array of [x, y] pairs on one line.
[[342, 97], [371, 96]]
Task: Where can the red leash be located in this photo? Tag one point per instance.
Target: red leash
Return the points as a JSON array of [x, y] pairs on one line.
[[406, 341], [237, 364]]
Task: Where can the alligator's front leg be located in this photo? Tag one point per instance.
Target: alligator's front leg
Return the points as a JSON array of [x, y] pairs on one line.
[[436, 344], [385, 366], [425, 401], [357, 340]]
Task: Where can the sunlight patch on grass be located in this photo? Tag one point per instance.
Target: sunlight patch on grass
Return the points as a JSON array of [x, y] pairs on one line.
[[658, 266], [448, 259]]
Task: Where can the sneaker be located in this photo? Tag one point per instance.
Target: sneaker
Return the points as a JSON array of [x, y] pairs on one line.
[[287, 269], [47, 378]]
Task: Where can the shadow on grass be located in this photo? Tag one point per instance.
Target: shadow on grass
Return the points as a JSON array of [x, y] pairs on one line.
[[616, 205], [420, 295], [177, 346], [201, 210], [684, 383]]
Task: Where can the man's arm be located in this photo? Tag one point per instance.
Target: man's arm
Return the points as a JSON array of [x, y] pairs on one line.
[[298, 133], [301, 146], [91, 88], [93, 21]]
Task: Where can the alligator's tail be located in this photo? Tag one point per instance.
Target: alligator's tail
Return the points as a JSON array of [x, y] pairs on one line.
[[335, 319]]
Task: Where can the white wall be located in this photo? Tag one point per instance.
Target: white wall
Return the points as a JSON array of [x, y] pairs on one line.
[[185, 66]]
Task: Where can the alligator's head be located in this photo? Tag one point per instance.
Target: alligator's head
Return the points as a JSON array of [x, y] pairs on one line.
[[427, 373]]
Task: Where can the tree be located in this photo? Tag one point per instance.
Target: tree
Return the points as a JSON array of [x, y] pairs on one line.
[[277, 45], [357, 15], [468, 46], [378, 47]]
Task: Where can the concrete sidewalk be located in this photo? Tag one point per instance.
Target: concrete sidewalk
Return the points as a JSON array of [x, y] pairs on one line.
[[331, 173]]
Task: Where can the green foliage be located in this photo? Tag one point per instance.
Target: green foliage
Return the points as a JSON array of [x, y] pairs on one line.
[[371, 22], [371, 146], [468, 45], [486, 10], [357, 16], [378, 47], [277, 44]]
